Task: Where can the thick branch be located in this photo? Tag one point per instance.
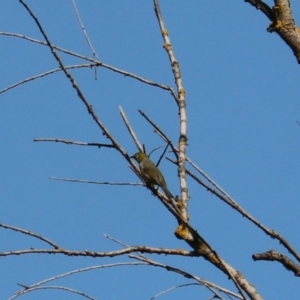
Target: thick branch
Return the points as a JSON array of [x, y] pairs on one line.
[[88, 253], [282, 22], [276, 256], [181, 102]]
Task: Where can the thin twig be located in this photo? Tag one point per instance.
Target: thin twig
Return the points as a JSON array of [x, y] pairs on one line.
[[201, 281], [121, 243], [55, 288], [68, 142], [208, 178], [45, 74], [173, 288], [175, 151], [84, 31], [97, 182], [162, 155], [27, 232], [120, 264], [115, 240], [130, 130], [157, 148], [95, 56]]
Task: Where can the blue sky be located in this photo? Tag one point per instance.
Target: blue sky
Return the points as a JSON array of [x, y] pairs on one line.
[[242, 86]]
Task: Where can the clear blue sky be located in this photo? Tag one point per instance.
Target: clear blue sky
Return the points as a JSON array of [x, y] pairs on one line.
[[242, 86]]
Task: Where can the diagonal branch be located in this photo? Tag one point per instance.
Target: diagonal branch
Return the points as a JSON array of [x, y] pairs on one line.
[[175, 151], [201, 281], [27, 232], [84, 31], [261, 5], [43, 75], [95, 56], [120, 264], [130, 130]]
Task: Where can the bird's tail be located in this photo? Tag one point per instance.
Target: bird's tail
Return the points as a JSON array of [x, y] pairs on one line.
[[167, 192]]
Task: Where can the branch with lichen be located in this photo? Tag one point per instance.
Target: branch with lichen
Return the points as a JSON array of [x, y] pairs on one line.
[[282, 22], [181, 103]]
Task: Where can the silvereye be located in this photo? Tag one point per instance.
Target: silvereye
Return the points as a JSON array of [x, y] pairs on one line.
[[151, 173]]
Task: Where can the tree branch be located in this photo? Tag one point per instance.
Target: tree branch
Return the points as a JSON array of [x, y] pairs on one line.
[[276, 256]]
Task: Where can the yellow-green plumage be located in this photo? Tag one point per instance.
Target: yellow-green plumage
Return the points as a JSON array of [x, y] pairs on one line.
[[151, 173]]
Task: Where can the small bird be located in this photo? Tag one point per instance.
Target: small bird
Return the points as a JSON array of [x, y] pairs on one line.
[[151, 173]]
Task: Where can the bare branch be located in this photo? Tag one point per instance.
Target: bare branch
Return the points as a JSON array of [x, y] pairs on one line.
[[282, 22], [88, 253], [84, 31], [165, 138], [132, 133], [173, 288], [208, 179], [162, 155], [182, 110], [95, 56], [261, 5], [276, 256], [155, 149], [55, 288], [97, 182], [201, 281], [45, 74], [120, 264], [121, 243], [68, 142], [27, 232]]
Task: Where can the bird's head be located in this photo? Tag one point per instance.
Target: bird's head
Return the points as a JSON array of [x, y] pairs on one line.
[[139, 156]]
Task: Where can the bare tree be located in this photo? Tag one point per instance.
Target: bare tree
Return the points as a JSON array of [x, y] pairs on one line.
[[174, 148]]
